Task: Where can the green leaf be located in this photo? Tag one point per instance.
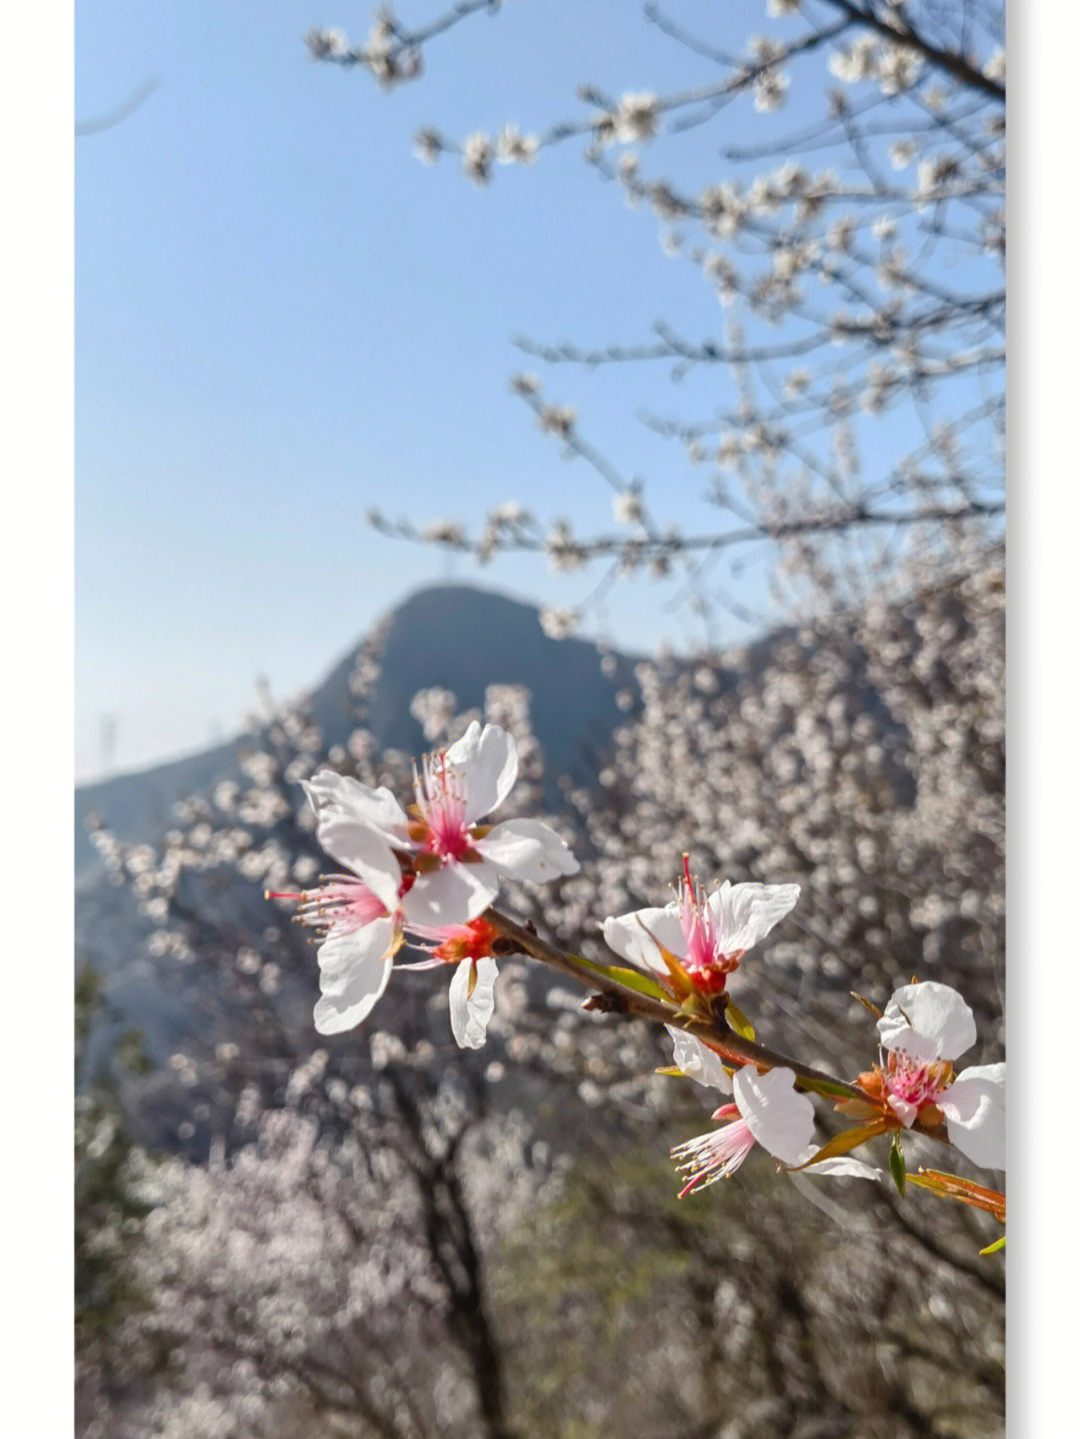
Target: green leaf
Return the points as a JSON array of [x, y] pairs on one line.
[[824, 1087], [738, 1021], [842, 1143], [993, 1248], [628, 978], [897, 1165]]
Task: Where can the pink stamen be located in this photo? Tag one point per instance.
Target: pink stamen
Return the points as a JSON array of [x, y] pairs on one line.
[[440, 798], [916, 1081], [345, 903], [699, 930], [714, 1156], [706, 962]]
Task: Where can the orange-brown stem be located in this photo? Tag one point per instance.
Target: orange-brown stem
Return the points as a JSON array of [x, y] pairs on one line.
[[616, 998]]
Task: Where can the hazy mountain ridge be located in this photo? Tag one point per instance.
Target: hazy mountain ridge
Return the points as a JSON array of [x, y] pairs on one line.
[[453, 636]]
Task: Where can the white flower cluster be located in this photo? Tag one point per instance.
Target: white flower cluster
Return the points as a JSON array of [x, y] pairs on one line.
[[895, 67], [636, 118], [559, 623], [477, 154], [430, 876]]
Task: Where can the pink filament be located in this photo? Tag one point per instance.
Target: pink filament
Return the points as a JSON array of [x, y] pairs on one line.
[[698, 928], [714, 1156], [915, 1081], [346, 904], [440, 798]]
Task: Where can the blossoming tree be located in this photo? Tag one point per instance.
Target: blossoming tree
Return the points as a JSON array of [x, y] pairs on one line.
[[845, 407], [463, 1152]]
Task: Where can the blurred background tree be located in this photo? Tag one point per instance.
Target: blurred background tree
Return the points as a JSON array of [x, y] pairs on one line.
[[842, 407], [416, 1239]]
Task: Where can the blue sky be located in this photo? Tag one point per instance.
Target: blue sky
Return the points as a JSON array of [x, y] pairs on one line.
[[282, 319]]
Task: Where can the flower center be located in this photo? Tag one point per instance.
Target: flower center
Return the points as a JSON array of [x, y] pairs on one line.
[[466, 941], [917, 1081], [704, 959], [440, 799]]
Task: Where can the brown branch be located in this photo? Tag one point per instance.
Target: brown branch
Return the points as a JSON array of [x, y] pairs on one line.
[[120, 113], [621, 999], [677, 545], [409, 41], [900, 31], [671, 347]]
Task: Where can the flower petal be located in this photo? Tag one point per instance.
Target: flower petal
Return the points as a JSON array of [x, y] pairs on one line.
[[367, 855], [904, 1110], [697, 1061], [452, 894], [744, 913], [354, 969], [974, 1109], [347, 951], [341, 804], [527, 849], [927, 1021], [780, 1119], [839, 1168], [635, 936], [472, 1001], [487, 761]]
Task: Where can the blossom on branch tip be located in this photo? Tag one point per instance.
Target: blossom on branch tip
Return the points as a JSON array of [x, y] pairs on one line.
[[512, 146], [637, 118], [627, 506], [767, 1111], [326, 44], [471, 949], [697, 1061], [428, 145], [558, 623], [477, 154], [923, 1029], [705, 935]]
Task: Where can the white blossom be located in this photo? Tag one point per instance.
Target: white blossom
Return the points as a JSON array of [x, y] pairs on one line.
[[428, 145], [326, 44], [706, 934], [512, 147], [476, 157], [923, 1029], [627, 506], [457, 865], [558, 623], [636, 118]]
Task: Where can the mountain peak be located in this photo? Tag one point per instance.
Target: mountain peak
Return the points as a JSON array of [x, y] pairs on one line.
[[457, 637], [463, 639]]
